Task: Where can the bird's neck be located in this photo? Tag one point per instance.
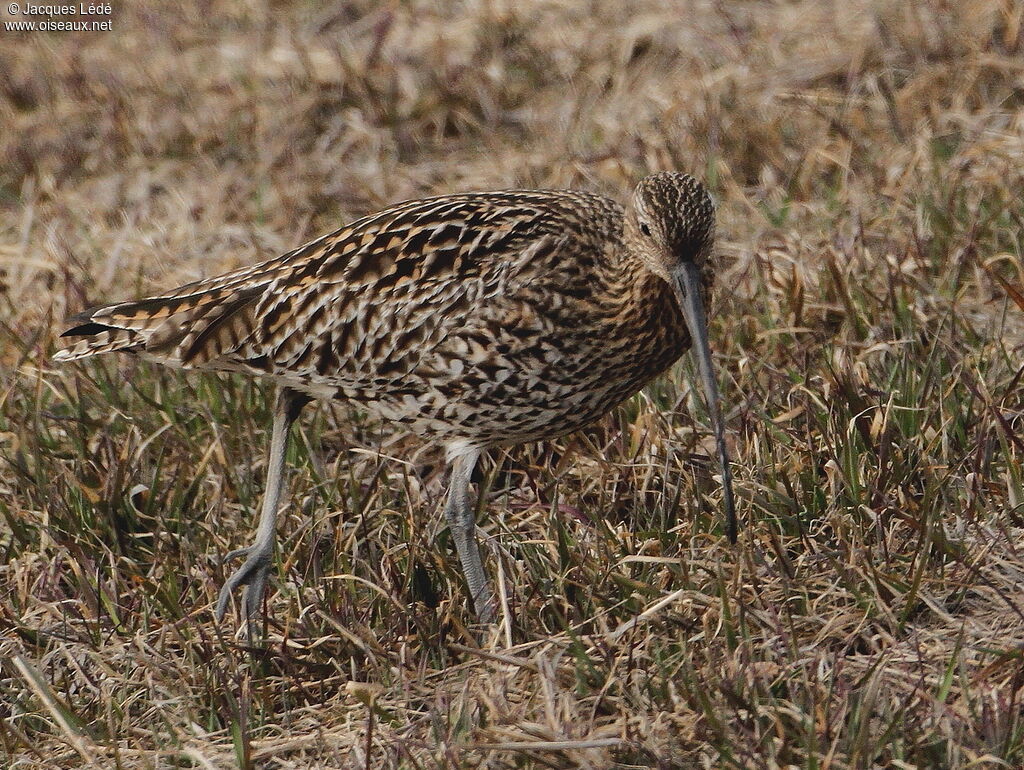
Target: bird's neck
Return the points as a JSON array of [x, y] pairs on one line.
[[634, 292], [641, 308], [625, 276]]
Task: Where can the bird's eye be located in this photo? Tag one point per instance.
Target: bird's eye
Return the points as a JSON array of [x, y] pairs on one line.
[[645, 229]]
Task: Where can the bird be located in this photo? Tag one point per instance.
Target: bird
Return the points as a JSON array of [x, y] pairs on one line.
[[475, 320]]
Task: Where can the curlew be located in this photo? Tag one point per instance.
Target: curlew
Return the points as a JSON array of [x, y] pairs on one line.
[[475, 320]]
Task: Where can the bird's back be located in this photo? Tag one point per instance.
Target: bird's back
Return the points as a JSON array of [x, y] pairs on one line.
[[402, 251]]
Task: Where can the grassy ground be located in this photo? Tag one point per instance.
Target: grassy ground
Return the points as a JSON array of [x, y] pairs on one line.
[[868, 162]]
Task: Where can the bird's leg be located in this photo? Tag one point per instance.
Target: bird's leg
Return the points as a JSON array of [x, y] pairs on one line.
[[459, 512], [255, 569]]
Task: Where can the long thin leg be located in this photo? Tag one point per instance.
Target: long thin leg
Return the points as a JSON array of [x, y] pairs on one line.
[[255, 569], [459, 512]]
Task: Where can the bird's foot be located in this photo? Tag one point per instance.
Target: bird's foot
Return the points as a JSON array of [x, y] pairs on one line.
[[253, 574]]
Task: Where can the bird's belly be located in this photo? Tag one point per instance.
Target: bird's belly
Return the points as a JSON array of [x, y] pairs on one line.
[[531, 397]]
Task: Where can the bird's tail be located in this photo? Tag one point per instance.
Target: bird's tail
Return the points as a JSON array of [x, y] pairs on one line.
[[188, 328], [96, 336]]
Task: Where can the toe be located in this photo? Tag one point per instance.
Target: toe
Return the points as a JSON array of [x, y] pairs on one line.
[[253, 574], [222, 601], [235, 554], [243, 576]]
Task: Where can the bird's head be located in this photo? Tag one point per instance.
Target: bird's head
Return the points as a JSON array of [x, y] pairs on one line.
[[671, 227], [672, 222]]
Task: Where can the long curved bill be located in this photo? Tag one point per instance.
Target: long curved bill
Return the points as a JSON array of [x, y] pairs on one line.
[[686, 282]]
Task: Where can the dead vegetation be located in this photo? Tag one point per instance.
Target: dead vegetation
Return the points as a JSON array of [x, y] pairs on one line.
[[868, 162]]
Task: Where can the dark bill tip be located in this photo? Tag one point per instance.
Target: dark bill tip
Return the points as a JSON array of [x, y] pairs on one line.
[[687, 285]]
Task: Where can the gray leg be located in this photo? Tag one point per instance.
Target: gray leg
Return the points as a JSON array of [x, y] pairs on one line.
[[255, 569], [459, 512]]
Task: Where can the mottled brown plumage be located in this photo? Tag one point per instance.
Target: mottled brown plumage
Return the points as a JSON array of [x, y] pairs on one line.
[[476, 320]]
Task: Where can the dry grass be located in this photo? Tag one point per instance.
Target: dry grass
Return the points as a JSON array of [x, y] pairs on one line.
[[869, 165]]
